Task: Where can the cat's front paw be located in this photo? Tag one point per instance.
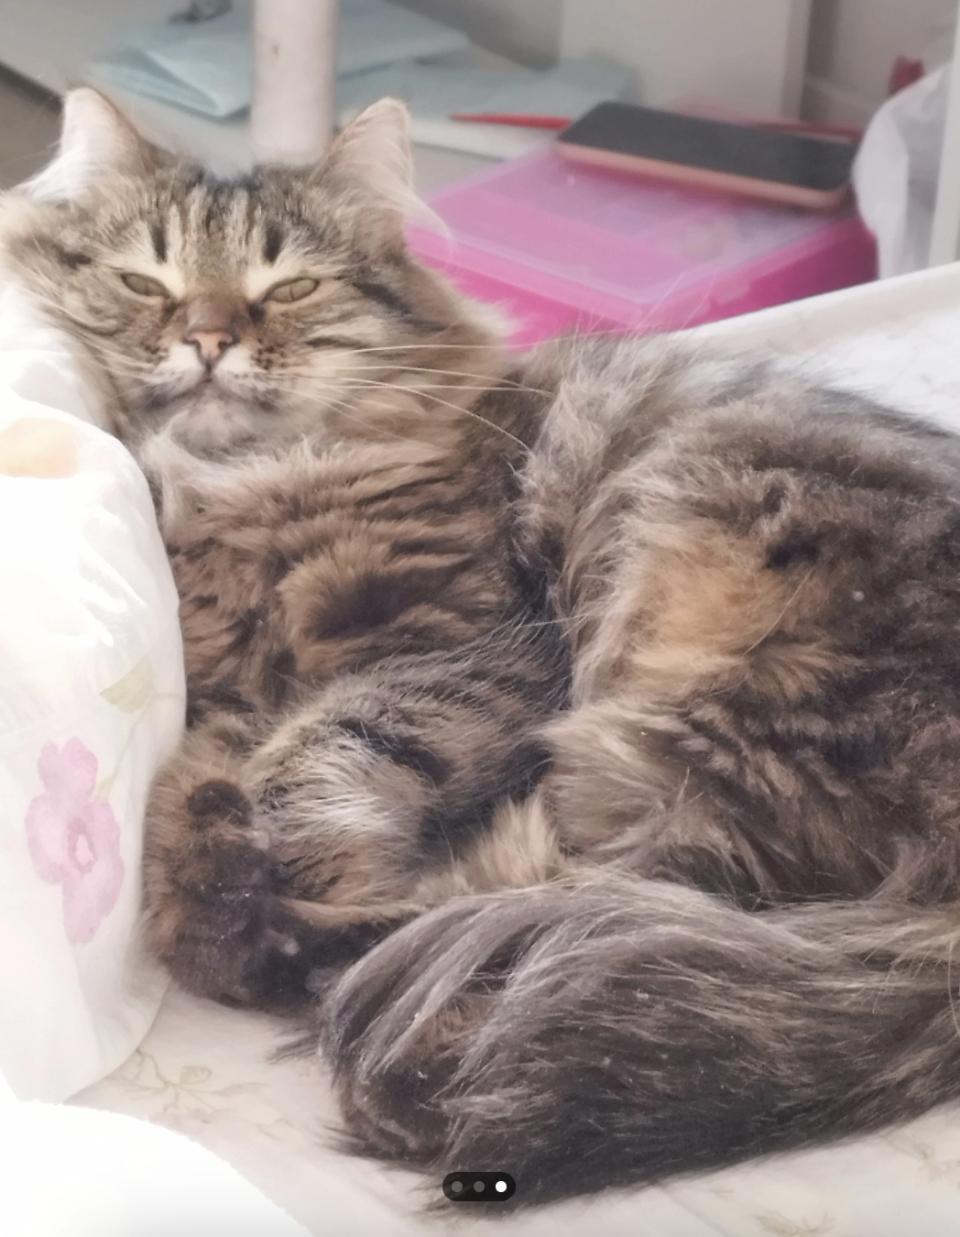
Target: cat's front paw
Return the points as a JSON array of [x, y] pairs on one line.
[[342, 815], [224, 926], [213, 914]]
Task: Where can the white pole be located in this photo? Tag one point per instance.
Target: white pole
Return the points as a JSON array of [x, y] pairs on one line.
[[294, 78], [945, 232]]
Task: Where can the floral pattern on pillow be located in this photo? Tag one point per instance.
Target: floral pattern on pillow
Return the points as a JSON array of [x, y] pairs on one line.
[[74, 838]]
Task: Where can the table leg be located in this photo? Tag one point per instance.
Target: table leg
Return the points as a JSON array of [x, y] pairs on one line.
[[295, 70]]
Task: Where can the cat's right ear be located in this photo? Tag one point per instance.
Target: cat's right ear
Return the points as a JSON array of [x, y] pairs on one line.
[[95, 142]]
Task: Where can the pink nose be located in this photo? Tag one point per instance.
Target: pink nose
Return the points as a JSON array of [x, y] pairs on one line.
[[211, 345]]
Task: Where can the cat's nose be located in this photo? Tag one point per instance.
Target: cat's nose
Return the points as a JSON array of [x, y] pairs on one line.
[[211, 345], [213, 322]]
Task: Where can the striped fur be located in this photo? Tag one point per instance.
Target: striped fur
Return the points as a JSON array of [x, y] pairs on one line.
[[572, 739]]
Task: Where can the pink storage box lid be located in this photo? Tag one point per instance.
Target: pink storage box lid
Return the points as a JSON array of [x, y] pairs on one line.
[[562, 246]]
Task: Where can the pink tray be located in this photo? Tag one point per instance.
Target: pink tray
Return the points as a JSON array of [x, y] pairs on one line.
[[560, 247]]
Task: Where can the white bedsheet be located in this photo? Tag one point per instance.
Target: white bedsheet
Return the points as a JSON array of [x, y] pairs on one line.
[[206, 1071]]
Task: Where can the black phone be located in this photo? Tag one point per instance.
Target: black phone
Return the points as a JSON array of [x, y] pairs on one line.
[[782, 166]]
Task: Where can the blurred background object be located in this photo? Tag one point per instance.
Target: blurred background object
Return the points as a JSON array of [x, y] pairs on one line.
[[29, 124], [829, 61]]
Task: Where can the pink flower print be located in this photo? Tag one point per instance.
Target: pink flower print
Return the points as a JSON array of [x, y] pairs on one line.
[[74, 838]]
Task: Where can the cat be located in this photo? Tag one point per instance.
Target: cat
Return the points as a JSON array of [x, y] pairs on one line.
[[573, 739]]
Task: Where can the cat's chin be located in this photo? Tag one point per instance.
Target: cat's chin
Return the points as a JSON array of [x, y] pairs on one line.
[[210, 420]]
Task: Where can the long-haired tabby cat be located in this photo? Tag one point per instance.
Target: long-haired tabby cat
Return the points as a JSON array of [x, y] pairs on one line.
[[574, 738]]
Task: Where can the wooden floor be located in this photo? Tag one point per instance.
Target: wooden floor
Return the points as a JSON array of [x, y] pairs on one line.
[[29, 124]]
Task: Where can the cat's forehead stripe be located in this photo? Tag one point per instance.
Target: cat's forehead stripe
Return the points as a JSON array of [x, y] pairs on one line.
[[219, 211], [272, 242], [158, 234]]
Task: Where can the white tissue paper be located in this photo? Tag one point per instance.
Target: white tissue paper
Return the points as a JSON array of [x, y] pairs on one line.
[[896, 169]]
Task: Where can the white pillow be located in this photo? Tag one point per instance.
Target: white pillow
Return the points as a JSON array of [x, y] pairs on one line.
[[91, 700]]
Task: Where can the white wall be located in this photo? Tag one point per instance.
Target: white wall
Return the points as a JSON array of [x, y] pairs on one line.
[[853, 44], [527, 31], [748, 53]]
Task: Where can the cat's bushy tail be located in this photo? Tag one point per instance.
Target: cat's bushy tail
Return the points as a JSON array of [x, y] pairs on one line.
[[619, 1031]]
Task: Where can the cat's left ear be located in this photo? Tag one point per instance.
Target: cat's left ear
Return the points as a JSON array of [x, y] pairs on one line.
[[95, 142], [371, 164]]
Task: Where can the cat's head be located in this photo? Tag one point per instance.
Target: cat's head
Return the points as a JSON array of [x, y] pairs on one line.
[[270, 304]]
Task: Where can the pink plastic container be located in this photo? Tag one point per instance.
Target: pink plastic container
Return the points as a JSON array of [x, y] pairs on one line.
[[561, 246]]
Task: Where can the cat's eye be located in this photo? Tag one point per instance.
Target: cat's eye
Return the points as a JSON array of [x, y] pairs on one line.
[[292, 290], [143, 285]]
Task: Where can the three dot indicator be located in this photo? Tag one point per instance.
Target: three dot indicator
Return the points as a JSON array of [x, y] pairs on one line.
[[484, 1187]]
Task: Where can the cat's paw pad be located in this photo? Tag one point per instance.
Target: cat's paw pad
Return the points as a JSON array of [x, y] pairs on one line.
[[224, 915], [216, 801]]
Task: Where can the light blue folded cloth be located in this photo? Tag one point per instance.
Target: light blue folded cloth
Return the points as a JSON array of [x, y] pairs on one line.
[[203, 66], [205, 63], [435, 92]]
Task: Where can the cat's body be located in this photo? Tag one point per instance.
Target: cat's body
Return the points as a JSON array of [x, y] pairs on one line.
[[604, 703]]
